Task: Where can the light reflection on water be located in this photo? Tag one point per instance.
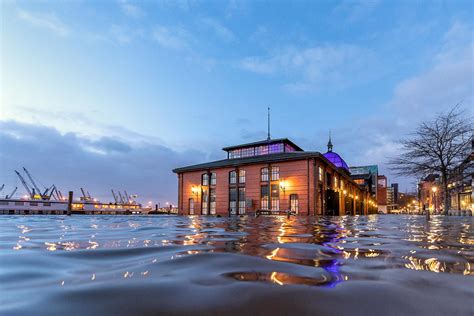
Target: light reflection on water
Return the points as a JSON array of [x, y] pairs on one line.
[[301, 251]]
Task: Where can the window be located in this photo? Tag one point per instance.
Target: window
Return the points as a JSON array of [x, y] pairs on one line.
[[241, 176], [205, 179], [320, 174], [232, 177], [264, 197], [233, 200], [213, 178], [335, 182], [261, 150], [289, 148], [275, 148], [275, 197], [191, 206], [294, 203], [342, 184], [4, 203], [247, 152], [328, 179], [33, 203], [264, 175], [275, 173], [204, 201], [212, 193], [19, 203], [47, 204], [241, 200]]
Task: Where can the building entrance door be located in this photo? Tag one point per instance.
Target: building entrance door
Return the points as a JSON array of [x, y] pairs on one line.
[[191, 206], [332, 203], [294, 207]]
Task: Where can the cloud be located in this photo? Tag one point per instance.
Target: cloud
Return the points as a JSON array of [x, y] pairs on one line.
[[220, 30], [311, 68], [356, 10], [130, 10], [448, 80], [171, 37], [47, 21], [71, 161]]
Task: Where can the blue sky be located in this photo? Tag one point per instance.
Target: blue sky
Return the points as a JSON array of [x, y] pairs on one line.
[[115, 94]]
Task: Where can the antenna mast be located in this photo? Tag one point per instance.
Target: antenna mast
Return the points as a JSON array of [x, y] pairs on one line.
[[268, 134]]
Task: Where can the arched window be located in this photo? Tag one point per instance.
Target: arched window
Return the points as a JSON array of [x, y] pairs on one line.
[[275, 173], [294, 203], [233, 177], [205, 179], [213, 178], [241, 176], [264, 174]]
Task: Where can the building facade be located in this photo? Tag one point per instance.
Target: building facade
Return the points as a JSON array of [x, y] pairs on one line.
[[460, 184], [274, 176]]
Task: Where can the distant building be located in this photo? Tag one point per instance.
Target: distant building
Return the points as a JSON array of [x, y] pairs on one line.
[[366, 176], [392, 197], [382, 194], [429, 193], [272, 175], [461, 182]]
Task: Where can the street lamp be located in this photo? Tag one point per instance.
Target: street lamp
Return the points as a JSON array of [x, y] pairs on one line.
[[283, 185]]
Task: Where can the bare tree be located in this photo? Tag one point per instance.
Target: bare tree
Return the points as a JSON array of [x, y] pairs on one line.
[[436, 147]]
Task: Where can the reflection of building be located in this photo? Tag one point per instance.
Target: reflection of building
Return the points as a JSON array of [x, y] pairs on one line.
[[273, 175], [460, 184]]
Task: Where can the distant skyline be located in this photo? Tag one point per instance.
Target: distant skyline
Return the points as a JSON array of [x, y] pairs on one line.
[[115, 94]]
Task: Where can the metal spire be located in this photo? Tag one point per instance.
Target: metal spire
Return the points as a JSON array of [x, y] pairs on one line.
[[330, 142], [268, 135]]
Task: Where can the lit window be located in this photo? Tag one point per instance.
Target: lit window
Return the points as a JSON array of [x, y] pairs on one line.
[[204, 201], [213, 178], [241, 200], [212, 203], [320, 174], [275, 173], [264, 175], [241, 176], [335, 182], [233, 177], [275, 193], [205, 179], [233, 201], [264, 197]]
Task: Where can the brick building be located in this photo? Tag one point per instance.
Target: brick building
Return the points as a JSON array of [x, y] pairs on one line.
[[274, 175]]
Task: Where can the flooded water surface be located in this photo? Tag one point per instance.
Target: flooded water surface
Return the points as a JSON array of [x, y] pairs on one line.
[[376, 265]]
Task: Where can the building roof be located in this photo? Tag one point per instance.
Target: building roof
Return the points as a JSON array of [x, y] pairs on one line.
[[336, 160], [265, 142], [296, 155]]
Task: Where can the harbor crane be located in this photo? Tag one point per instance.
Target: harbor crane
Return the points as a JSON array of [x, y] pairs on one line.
[[9, 196], [38, 191], [48, 193], [121, 198], [115, 197], [127, 197], [1, 188], [27, 188]]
